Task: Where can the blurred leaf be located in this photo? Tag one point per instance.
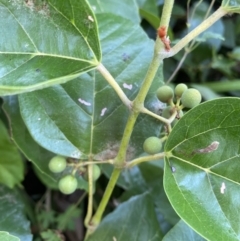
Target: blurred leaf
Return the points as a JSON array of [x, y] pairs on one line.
[[11, 164], [208, 35], [229, 33], [13, 219], [152, 19], [66, 220], [138, 222], [182, 232], [217, 29], [149, 6], [225, 65], [231, 5], [5, 236], [206, 92], [235, 54], [52, 235], [48, 43], [72, 119], [126, 8], [224, 86], [204, 189]]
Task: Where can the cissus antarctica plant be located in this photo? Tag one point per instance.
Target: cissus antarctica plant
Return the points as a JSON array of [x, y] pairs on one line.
[[116, 151]]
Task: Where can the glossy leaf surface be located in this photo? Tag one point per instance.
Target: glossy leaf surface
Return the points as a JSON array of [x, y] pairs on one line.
[[182, 232], [126, 8], [5, 236], [203, 149], [48, 43], [11, 164], [85, 115], [13, 218], [138, 222]]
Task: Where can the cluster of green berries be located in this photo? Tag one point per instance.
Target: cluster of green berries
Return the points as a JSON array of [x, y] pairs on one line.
[[188, 97], [68, 183]]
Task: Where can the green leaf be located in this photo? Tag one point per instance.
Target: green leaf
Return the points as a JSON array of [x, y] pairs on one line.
[[73, 118], [13, 219], [203, 149], [35, 153], [182, 232], [138, 222], [213, 34], [48, 43], [11, 164], [66, 221], [126, 8], [231, 5], [5, 236], [151, 18], [51, 235]]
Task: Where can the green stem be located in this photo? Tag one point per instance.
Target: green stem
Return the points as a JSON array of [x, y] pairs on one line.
[[107, 194], [90, 196], [135, 108], [105, 73], [145, 159]]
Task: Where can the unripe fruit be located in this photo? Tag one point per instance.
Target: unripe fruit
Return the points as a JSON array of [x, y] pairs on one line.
[[167, 112], [191, 98], [179, 89], [165, 93], [57, 164], [152, 145], [96, 172], [68, 184]]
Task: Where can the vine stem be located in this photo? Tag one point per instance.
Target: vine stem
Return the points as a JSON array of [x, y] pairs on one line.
[[135, 107], [105, 73], [145, 159]]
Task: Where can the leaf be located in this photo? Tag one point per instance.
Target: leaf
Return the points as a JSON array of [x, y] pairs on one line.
[[48, 43], [126, 8], [51, 235], [11, 164], [13, 219], [5, 236], [204, 189], [231, 5], [182, 232], [138, 222], [85, 116], [66, 220], [151, 18], [212, 34]]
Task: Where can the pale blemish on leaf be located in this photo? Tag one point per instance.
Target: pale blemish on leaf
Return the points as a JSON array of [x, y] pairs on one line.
[[84, 102], [223, 187], [103, 111], [212, 147], [126, 86], [90, 18]]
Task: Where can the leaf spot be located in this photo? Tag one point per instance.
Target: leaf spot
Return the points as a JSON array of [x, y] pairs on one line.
[[103, 111], [223, 187], [114, 239], [90, 18], [84, 102], [126, 86], [39, 119], [212, 147], [94, 8]]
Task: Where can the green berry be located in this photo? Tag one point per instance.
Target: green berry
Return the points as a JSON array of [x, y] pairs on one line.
[[191, 98], [167, 112], [68, 184], [96, 172], [152, 145], [165, 93], [179, 89], [57, 164]]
